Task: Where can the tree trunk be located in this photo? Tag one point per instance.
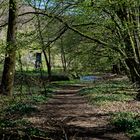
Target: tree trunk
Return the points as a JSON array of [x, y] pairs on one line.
[[116, 69], [10, 55], [63, 57], [47, 59], [134, 71], [48, 64]]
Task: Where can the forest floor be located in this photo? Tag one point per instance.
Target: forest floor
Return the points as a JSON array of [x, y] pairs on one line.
[[69, 116], [101, 110]]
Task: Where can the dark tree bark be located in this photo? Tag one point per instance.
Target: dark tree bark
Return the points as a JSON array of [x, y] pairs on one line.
[[63, 57], [48, 64], [10, 55], [135, 74], [115, 69]]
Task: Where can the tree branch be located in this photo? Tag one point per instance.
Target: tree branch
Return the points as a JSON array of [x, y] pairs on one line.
[[3, 25], [67, 25]]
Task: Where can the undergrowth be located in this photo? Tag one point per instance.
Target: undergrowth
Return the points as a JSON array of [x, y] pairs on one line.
[[35, 99], [5, 123], [127, 122], [20, 109], [12, 122], [34, 131], [14, 110], [108, 91]]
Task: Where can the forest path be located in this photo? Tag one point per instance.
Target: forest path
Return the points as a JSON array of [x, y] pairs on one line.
[[68, 116]]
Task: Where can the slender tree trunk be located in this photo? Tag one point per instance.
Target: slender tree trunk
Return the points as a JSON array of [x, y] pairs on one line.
[[47, 59], [48, 64], [10, 55], [63, 57]]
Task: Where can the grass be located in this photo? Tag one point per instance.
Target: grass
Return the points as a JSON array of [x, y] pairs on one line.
[[103, 99], [108, 91], [76, 81]]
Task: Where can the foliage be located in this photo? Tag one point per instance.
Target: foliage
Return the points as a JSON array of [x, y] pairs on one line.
[[102, 99], [107, 91], [127, 122], [136, 136], [39, 98], [21, 108], [13, 123], [32, 131], [25, 128], [104, 87]]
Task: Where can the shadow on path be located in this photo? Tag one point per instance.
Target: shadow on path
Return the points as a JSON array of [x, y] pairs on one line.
[[68, 116]]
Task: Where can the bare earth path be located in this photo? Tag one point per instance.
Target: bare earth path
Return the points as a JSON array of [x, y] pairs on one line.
[[68, 116]]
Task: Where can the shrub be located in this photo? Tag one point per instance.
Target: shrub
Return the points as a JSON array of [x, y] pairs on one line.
[[136, 136], [126, 121]]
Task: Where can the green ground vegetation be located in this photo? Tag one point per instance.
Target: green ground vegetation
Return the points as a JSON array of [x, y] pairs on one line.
[[108, 91], [127, 122], [29, 93]]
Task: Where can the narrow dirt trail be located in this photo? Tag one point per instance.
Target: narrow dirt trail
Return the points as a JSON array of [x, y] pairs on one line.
[[68, 116]]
